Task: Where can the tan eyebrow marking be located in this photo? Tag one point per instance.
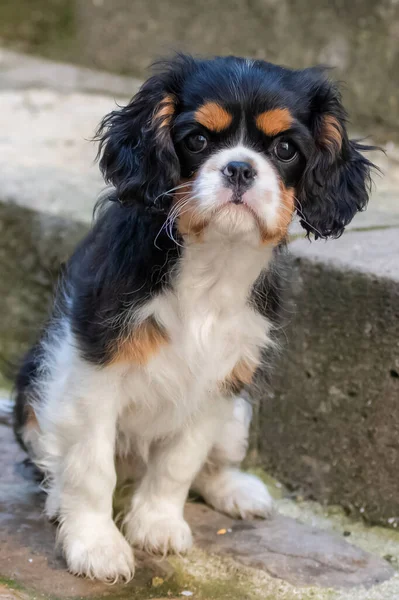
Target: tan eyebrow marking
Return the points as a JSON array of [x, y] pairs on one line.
[[273, 122], [331, 133], [213, 116]]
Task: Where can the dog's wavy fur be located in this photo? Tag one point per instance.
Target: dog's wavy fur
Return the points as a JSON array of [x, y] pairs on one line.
[[165, 310]]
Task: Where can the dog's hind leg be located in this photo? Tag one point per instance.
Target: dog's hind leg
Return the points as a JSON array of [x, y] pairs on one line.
[[221, 483]]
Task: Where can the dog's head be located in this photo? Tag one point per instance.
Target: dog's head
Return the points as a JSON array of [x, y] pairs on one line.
[[237, 145]]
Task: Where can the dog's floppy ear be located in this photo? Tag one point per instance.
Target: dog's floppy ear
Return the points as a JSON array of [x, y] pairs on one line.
[[136, 151], [336, 181]]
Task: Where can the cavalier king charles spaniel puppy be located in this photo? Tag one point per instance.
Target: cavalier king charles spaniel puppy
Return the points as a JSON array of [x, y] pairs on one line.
[[164, 312]]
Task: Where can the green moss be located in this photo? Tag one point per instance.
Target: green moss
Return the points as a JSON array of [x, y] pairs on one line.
[[44, 27], [215, 588], [212, 577], [10, 583], [276, 489], [24, 591], [5, 382]]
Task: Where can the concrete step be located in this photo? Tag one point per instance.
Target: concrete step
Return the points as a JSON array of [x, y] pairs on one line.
[[330, 428]]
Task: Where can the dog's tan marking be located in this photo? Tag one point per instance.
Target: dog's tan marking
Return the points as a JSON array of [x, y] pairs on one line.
[[241, 375], [273, 122], [144, 341], [213, 116], [30, 427], [31, 421], [280, 230], [188, 222], [331, 134], [164, 113]]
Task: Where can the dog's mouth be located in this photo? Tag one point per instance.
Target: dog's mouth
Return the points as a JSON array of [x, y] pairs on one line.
[[238, 202], [236, 215]]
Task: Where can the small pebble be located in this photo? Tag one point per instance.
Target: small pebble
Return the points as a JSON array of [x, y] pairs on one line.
[[157, 582], [30, 560], [222, 532], [389, 558]]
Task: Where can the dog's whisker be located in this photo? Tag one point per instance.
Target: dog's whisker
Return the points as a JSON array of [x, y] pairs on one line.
[[174, 213], [178, 187]]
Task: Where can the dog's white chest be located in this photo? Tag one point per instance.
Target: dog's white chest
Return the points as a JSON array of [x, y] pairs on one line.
[[210, 326]]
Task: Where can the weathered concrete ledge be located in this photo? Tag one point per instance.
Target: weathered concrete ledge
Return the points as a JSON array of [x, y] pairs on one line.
[[32, 247], [330, 427], [20, 71]]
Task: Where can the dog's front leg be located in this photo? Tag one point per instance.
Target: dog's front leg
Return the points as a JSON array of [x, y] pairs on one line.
[[155, 521], [80, 448]]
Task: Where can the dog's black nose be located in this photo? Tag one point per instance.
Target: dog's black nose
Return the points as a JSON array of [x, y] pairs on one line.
[[239, 173]]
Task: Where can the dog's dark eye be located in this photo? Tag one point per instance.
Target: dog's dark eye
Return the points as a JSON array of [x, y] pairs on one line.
[[285, 151], [196, 143]]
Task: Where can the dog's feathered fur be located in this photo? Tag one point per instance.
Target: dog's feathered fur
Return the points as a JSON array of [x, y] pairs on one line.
[[163, 312]]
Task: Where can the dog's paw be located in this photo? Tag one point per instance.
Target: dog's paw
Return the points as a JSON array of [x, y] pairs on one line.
[[156, 531], [99, 551], [238, 495]]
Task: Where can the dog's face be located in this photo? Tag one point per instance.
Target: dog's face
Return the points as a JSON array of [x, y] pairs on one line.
[[237, 146], [240, 165]]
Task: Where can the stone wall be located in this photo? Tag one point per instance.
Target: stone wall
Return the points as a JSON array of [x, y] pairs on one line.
[[329, 429], [32, 247], [358, 37]]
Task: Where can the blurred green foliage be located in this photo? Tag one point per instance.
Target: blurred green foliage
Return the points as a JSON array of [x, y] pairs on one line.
[[43, 27]]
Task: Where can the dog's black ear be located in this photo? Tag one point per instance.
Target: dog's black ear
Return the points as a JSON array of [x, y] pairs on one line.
[[336, 182], [136, 150]]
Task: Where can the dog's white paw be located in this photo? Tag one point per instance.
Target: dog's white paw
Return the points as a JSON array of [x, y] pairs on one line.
[[98, 551], [157, 530], [238, 494]]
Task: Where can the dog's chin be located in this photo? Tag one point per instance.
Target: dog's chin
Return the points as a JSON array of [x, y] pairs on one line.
[[234, 220]]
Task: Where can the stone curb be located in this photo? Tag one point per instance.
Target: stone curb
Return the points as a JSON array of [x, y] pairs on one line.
[[329, 428], [20, 72]]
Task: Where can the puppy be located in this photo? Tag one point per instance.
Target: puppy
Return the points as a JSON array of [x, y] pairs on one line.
[[162, 315]]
